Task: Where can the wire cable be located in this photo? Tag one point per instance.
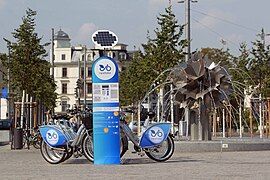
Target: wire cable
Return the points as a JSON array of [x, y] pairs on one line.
[[215, 32], [225, 20]]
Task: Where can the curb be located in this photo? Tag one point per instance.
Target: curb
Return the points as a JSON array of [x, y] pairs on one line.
[[220, 146]]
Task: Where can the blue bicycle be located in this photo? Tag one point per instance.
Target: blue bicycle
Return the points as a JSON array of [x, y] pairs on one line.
[[156, 140]]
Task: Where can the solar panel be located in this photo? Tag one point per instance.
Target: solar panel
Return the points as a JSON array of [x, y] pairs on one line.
[[104, 38]]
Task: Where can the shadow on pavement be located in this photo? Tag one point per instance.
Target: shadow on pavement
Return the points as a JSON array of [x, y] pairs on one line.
[[149, 161], [77, 161], [129, 161], [4, 143]]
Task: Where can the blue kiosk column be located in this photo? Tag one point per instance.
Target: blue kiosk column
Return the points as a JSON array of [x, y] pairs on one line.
[[106, 111]]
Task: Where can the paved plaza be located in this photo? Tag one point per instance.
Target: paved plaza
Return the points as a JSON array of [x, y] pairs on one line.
[[29, 164]]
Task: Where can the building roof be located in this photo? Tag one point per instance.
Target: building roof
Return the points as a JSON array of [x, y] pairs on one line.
[[61, 35], [121, 44]]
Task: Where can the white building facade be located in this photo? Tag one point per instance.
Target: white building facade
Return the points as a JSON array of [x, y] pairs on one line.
[[69, 67]]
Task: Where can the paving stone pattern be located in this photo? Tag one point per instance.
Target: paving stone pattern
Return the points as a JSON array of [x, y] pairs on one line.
[[28, 164]]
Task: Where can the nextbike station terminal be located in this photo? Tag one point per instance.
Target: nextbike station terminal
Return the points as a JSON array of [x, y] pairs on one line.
[[105, 103]]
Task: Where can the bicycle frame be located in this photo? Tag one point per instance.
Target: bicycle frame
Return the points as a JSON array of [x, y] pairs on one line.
[[127, 131], [79, 136]]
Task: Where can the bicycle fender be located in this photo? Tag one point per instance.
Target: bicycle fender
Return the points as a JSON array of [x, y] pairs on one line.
[[155, 135], [53, 135]]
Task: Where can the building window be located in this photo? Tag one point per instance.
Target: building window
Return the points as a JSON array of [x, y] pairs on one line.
[[64, 106], [89, 88], [110, 54], [64, 88], [122, 56], [89, 71], [64, 72], [89, 57], [63, 57]]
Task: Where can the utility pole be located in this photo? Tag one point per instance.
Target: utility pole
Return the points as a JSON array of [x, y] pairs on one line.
[[8, 86], [84, 78], [52, 60], [187, 17], [187, 24], [188, 47], [52, 53]]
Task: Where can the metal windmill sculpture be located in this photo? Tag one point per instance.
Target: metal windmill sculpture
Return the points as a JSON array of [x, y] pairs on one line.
[[201, 85]]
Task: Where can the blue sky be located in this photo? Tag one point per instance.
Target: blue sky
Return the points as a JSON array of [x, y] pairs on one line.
[[130, 19]]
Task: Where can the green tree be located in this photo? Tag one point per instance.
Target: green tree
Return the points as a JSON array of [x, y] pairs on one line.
[[221, 56], [158, 54], [260, 68], [239, 71], [29, 70]]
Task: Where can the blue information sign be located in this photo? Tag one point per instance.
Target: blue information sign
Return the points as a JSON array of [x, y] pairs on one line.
[[106, 111]]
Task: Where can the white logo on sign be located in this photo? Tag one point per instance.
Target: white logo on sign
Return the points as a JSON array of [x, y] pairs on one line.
[[52, 137], [156, 135], [105, 69]]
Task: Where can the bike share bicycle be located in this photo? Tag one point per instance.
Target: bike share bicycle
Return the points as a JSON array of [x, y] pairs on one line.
[[33, 138], [156, 140], [60, 141]]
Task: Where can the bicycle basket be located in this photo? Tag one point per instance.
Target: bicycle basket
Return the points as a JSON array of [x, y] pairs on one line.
[[87, 120]]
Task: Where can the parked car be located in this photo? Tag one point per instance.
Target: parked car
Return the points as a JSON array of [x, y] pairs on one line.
[[5, 124]]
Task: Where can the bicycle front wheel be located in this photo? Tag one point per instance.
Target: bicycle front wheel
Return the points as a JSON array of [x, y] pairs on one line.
[[52, 155], [163, 151], [88, 147]]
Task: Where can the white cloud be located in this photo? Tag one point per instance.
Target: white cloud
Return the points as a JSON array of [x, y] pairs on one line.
[[85, 32], [159, 2], [156, 2], [2, 3]]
